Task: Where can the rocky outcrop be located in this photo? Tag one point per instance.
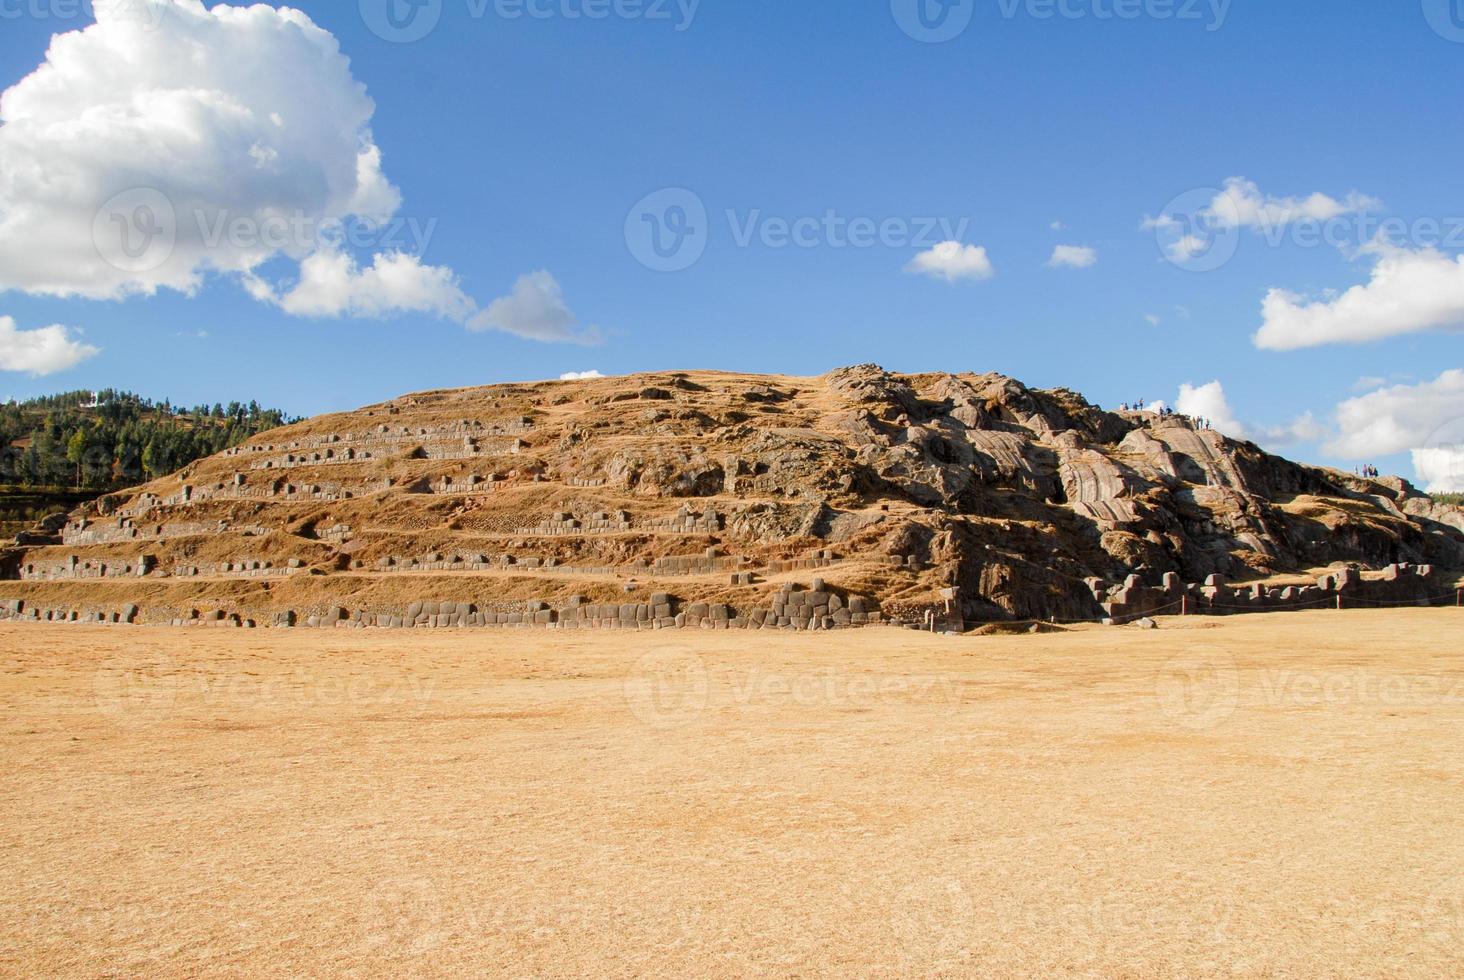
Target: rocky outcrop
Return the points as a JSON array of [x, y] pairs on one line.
[[967, 496]]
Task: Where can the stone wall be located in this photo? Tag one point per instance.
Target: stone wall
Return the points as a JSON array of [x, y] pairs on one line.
[[792, 607], [73, 568], [1400, 585]]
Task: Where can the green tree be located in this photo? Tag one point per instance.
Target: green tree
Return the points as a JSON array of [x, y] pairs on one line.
[[76, 451]]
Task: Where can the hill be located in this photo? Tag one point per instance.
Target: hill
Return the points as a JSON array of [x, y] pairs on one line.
[[701, 497], [59, 450]]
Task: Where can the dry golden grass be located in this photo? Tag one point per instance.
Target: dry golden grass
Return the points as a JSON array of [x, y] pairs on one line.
[[1262, 797]]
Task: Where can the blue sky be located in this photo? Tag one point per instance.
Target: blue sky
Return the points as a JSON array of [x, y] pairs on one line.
[[524, 143]]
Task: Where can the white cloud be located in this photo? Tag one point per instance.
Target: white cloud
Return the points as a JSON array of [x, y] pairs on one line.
[[1425, 419], [1441, 468], [580, 375], [1209, 402], [147, 153], [1410, 291], [953, 262], [1191, 233], [42, 351], [535, 310], [1153, 318], [1392, 420], [1241, 204], [1186, 247], [1058, 226], [202, 117], [331, 284], [1073, 257]]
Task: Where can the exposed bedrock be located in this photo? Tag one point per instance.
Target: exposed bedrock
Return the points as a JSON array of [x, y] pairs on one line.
[[918, 493]]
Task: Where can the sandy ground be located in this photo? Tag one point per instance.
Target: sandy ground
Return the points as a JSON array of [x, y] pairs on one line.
[[1265, 796]]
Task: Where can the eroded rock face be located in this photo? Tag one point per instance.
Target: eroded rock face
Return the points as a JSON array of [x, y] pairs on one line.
[[898, 487]]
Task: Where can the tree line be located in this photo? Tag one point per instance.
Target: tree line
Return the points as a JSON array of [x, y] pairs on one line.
[[108, 440]]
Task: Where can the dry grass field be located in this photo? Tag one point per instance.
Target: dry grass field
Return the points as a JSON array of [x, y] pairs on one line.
[[1267, 796]]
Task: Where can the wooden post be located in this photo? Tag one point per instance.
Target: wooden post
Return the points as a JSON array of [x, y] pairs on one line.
[[1184, 604], [1339, 602]]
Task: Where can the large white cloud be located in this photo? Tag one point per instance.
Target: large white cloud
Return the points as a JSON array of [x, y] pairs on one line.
[[1209, 402], [535, 310], [156, 147], [138, 140], [953, 262], [1425, 419], [1410, 291], [42, 351]]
